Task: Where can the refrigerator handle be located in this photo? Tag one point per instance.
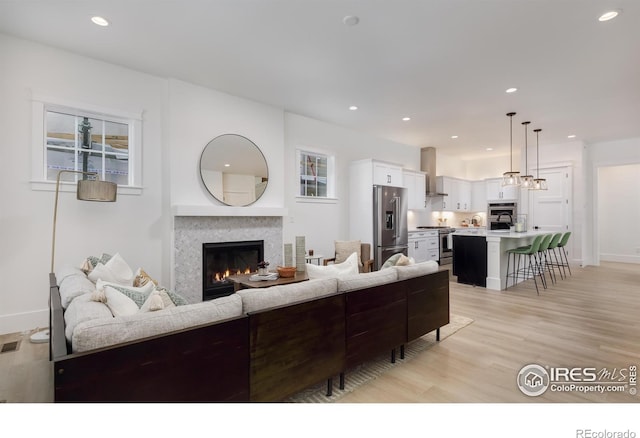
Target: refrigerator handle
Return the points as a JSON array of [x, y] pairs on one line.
[[396, 231]]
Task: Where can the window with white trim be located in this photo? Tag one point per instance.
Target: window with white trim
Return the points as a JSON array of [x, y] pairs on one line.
[[316, 174], [87, 140]]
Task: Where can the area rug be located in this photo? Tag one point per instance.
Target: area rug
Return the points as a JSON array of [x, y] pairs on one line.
[[374, 368]]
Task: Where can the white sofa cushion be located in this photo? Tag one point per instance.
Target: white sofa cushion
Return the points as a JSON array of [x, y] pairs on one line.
[[336, 270], [367, 279], [72, 283], [416, 270], [344, 249], [82, 309], [263, 298], [106, 332]]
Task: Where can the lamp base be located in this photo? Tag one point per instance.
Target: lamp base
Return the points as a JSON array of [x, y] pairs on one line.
[[40, 337]]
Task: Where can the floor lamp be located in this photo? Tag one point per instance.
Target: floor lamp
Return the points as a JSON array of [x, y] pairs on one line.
[[87, 190]]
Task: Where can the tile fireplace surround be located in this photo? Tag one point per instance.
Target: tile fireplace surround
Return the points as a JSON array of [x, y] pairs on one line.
[[190, 232]]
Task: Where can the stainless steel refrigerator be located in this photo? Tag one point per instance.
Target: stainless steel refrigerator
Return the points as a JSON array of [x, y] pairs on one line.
[[390, 233]]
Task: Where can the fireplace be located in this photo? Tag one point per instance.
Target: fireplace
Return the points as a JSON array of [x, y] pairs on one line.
[[220, 260]]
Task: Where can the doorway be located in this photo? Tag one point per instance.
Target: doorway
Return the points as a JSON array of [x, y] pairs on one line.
[[618, 213]]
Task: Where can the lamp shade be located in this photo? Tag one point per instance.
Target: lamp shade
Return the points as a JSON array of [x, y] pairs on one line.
[[96, 190]]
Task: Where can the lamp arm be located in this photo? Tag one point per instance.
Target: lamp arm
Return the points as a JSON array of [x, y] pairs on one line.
[[55, 208]]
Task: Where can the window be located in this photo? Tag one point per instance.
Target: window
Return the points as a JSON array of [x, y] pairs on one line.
[[316, 174], [71, 138]]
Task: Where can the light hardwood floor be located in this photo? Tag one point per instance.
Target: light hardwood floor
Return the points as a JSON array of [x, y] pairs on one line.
[[591, 319]]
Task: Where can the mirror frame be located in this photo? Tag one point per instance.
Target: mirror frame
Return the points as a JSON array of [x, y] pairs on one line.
[[209, 187]]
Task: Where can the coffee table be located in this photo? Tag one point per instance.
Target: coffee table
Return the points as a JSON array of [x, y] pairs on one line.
[[242, 281]]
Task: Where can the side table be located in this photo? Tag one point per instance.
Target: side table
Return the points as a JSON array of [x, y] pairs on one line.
[[316, 257]]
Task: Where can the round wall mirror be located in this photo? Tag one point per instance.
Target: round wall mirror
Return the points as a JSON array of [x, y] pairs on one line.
[[234, 170]]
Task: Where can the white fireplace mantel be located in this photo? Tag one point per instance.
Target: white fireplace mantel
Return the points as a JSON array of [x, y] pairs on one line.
[[224, 210]]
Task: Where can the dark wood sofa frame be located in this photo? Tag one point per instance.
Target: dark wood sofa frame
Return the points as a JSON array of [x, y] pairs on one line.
[[267, 355]]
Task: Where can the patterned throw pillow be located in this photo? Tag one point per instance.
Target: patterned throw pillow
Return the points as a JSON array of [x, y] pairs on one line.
[[177, 299], [137, 294], [92, 261], [142, 278]]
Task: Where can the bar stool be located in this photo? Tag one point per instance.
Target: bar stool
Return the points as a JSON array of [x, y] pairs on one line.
[[562, 247], [531, 252], [543, 260], [553, 245]]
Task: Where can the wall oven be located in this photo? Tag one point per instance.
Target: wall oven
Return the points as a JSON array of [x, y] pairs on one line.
[[501, 215]]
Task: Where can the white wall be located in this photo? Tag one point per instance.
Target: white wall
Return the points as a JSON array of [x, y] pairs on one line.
[[133, 226], [618, 213], [197, 115], [599, 157], [321, 223]]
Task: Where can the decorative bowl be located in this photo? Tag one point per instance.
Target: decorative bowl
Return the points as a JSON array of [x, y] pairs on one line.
[[286, 271]]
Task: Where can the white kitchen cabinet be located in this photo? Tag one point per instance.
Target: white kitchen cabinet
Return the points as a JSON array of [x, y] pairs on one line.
[[478, 196], [458, 191], [423, 246], [464, 196], [415, 182], [496, 192], [387, 174]]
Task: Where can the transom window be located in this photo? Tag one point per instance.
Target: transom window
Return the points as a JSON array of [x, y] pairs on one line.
[[316, 174]]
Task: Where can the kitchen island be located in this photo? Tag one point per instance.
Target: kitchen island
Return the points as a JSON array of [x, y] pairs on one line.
[[497, 244]]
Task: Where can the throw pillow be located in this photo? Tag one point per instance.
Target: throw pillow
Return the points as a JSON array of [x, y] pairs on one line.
[[142, 278], [391, 261], [138, 294], [336, 270], [344, 248], [177, 299], [92, 261], [118, 303], [154, 302], [403, 260], [115, 270]]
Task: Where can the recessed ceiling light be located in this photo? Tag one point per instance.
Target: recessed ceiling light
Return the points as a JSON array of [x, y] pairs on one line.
[[489, 149], [571, 136], [353, 107], [350, 20], [511, 90], [406, 119], [454, 136], [227, 165], [610, 15], [100, 21]]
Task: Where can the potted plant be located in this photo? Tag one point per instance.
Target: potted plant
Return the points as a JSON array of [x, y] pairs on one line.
[[262, 268]]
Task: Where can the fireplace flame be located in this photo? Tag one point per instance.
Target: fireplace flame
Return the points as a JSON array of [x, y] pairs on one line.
[[222, 276]]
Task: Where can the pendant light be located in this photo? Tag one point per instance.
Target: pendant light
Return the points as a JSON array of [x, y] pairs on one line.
[[511, 178], [538, 183], [527, 180]]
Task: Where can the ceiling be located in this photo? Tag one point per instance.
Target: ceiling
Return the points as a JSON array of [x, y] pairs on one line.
[[444, 63]]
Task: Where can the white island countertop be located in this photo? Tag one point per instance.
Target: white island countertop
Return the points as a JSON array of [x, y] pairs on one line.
[[500, 234]]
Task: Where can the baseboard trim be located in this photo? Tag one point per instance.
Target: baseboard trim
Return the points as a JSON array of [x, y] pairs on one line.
[[20, 322], [619, 258]]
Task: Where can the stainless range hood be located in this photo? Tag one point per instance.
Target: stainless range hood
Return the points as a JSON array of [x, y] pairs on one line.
[[428, 165]]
